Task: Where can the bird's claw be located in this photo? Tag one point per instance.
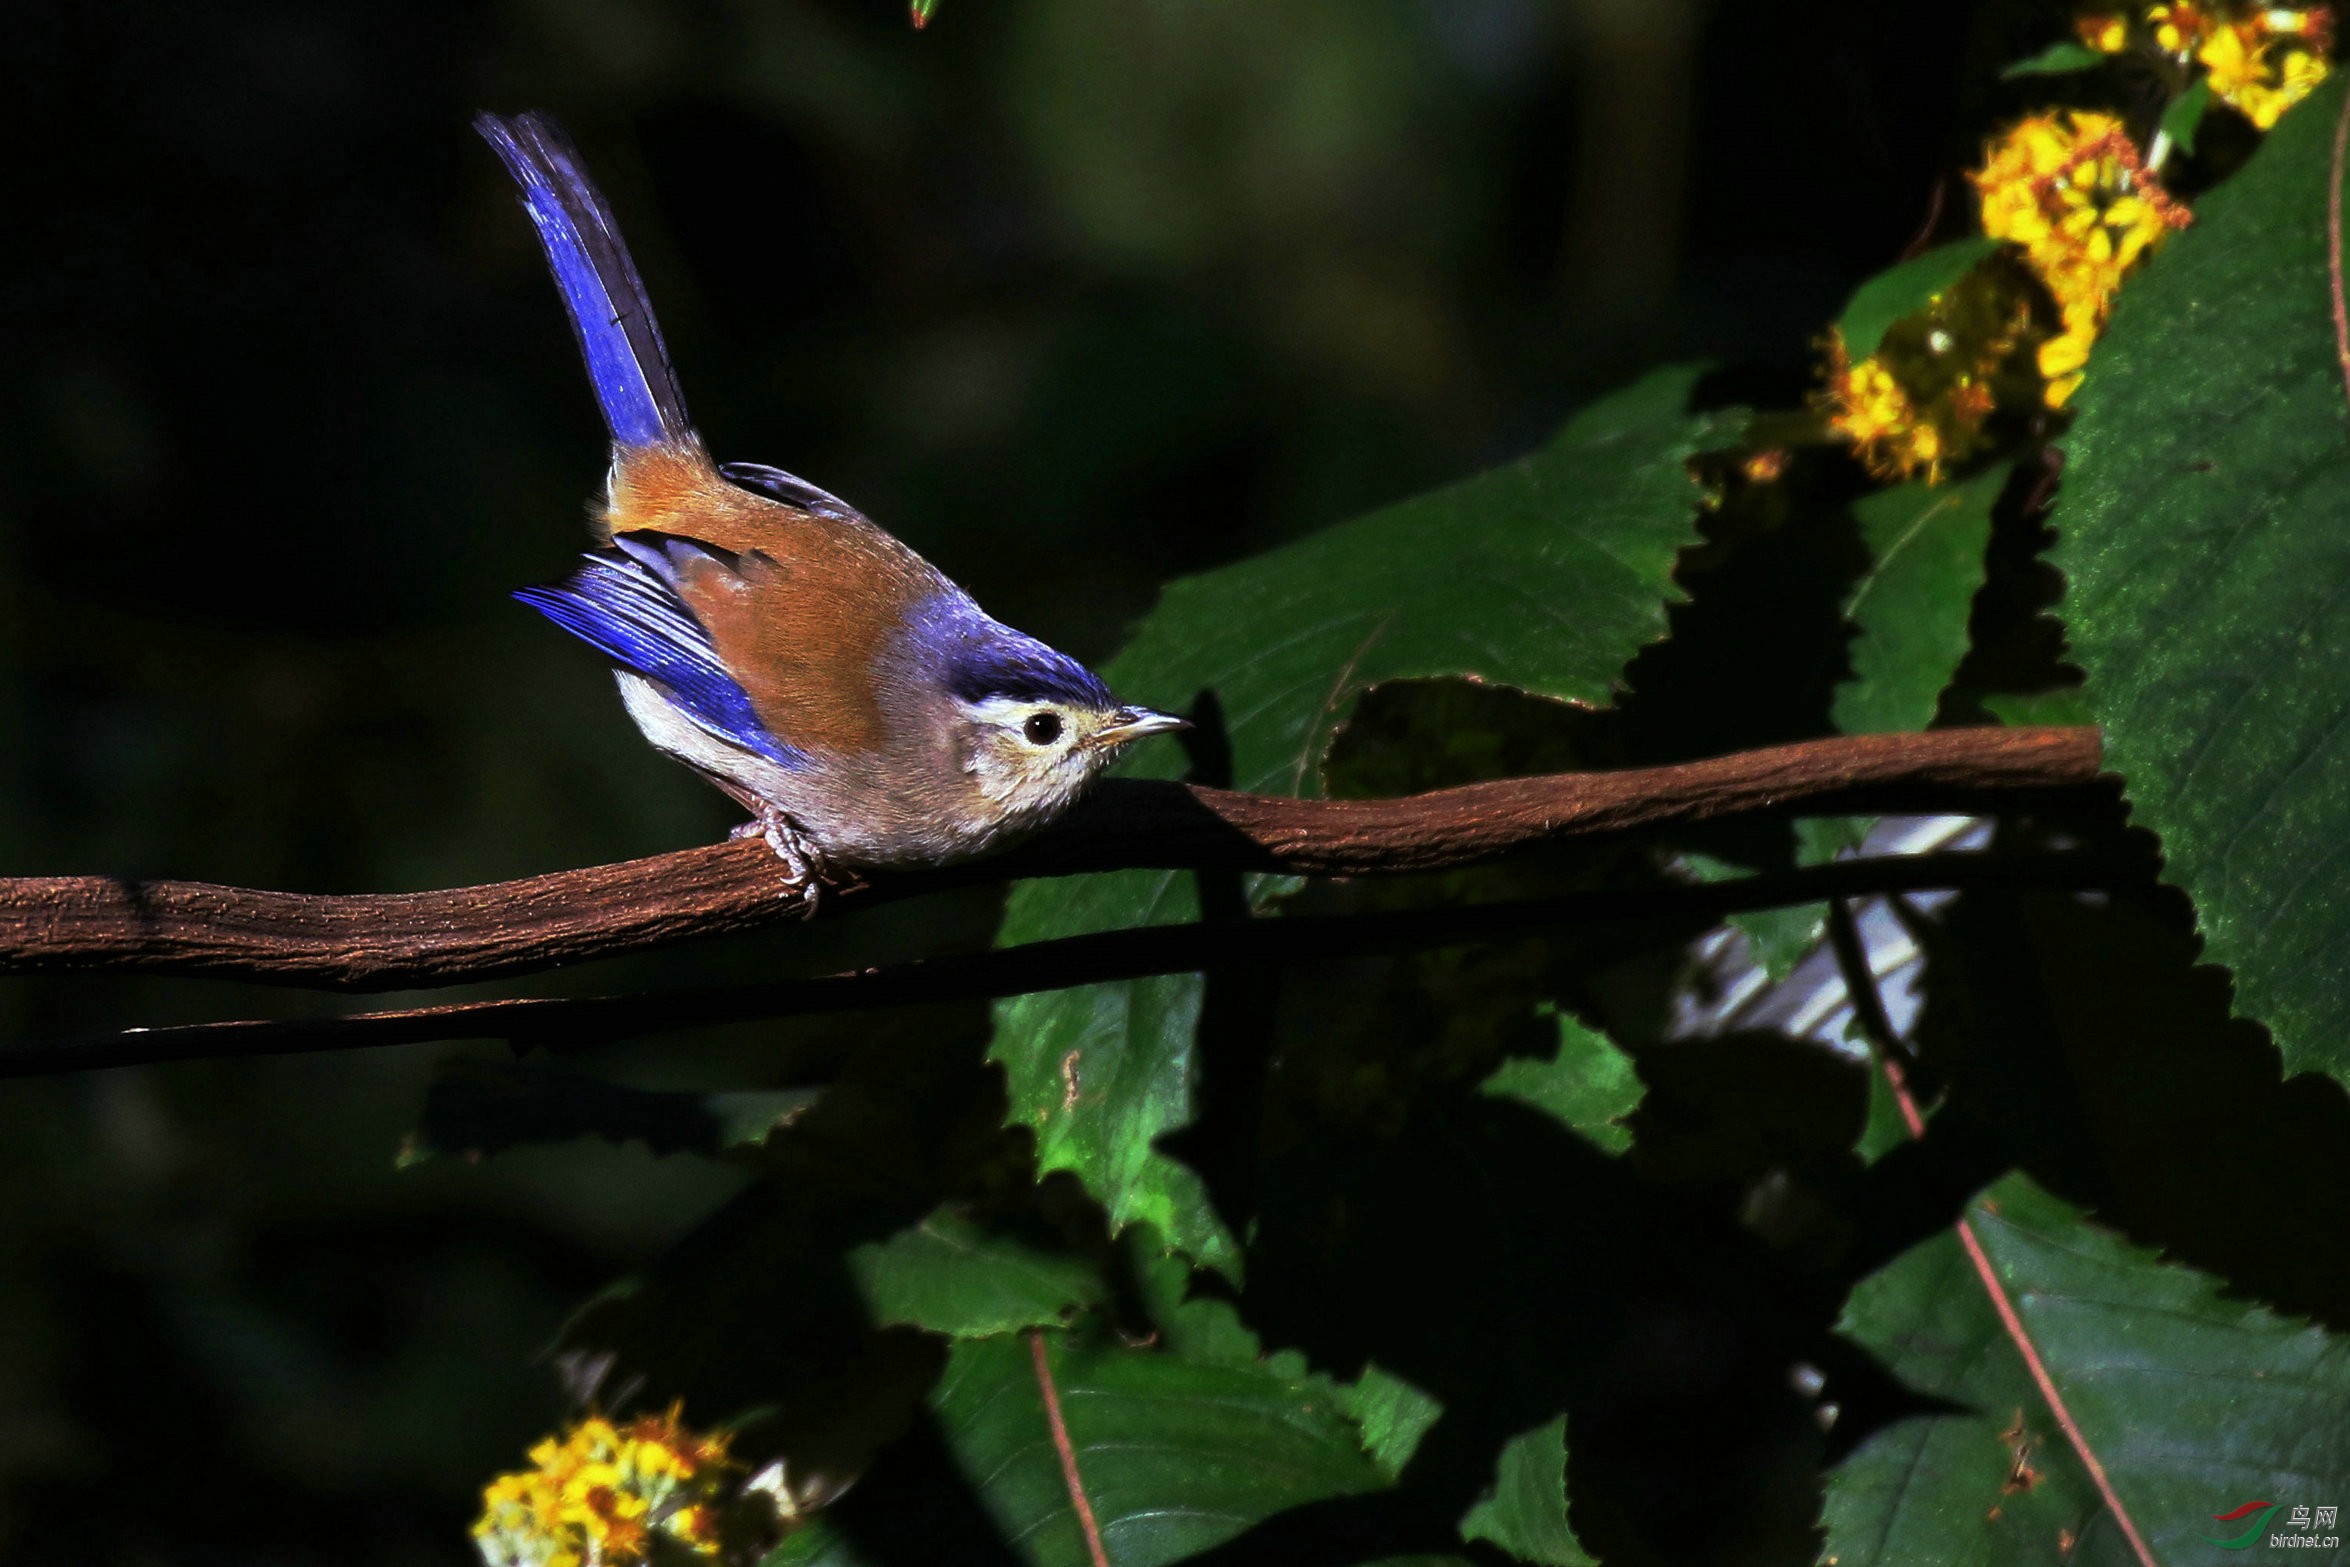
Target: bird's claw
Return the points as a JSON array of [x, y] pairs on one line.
[[800, 858]]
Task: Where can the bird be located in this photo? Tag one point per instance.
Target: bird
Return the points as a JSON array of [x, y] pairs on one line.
[[864, 710]]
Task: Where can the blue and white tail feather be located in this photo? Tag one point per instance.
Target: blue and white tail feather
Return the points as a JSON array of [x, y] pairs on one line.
[[610, 315], [620, 601]]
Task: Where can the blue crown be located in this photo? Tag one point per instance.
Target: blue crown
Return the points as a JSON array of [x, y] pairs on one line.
[[976, 657]]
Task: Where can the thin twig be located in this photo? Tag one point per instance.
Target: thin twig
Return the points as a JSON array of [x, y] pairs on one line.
[[2334, 244], [1923, 240], [575, 1023], [68, 924], [1079, 1502], [1860, 984], [1852, 958]]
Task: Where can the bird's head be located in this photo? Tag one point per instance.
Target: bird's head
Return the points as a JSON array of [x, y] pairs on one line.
[[1031, 727]]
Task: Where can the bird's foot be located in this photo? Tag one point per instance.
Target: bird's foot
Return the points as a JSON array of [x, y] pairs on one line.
[[800, 856]]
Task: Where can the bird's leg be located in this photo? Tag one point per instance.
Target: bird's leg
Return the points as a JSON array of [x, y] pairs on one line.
[[800, 857]]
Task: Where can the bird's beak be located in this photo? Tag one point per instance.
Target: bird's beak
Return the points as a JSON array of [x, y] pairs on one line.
[[1132, 723]]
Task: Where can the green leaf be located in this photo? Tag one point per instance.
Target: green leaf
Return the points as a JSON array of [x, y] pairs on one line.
[[1777, 939], [1394, 1416], [1175, 1455], [1546, 574], [2065, 705], [2185, 116], [1909, 613], [2193, 1402], [1197, 1327], [1392, 1413], [1909, 609], [758, 1314], [1884, 1127], [1908, 286], [477, 1108], [2201, 534], [951, 1276], [1526, 1511], [1588, 1085], [2058, 59]]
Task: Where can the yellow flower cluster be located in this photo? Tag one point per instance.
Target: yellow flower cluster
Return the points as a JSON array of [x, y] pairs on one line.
[[2260, 60], [2071, 192], [1924, 398], [1888, 430], [599, 1496]]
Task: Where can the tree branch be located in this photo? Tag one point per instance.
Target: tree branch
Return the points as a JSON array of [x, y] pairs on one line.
[[566, 1024], [71, 924]]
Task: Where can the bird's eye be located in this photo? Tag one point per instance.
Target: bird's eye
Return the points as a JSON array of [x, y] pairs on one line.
[[1042, 728]]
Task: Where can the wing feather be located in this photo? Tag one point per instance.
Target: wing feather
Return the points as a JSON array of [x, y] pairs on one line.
[[619, 602]]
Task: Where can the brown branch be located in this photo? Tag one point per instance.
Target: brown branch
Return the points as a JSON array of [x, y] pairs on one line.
[[69, 924], [567, 1024]]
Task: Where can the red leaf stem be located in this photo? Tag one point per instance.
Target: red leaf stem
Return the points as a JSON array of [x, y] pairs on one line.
[[2021, 1336], [2334, 245], [1060, 1429]]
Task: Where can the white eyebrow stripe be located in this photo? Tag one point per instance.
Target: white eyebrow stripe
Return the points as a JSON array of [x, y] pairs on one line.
[[1004, 712]]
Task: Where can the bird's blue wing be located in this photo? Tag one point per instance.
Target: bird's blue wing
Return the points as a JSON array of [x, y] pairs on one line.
[[620, 602]]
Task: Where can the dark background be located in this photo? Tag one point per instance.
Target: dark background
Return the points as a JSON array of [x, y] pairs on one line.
[[1075, 295]]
